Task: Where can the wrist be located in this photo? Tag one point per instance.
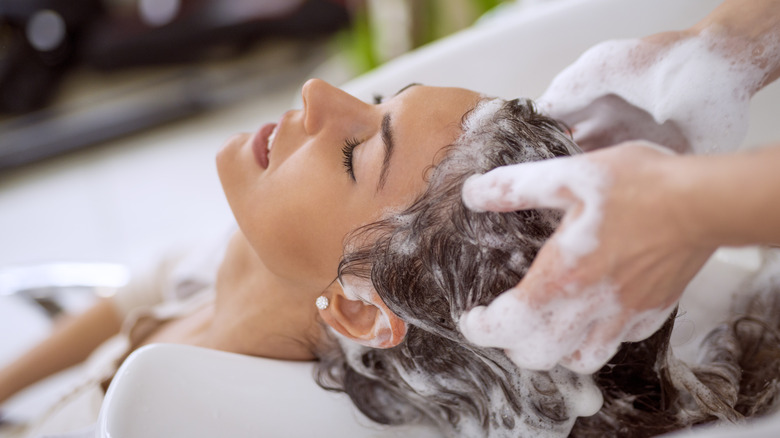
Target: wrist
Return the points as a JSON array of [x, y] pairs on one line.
[[6, 391], [747, 32], [727, 200], [748, 19], [692, 205]]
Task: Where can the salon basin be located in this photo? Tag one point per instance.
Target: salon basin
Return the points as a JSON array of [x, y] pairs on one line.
[[176, 391], [182, 391]]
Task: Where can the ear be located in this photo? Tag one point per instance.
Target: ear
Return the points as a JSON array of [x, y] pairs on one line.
[[357, 312]]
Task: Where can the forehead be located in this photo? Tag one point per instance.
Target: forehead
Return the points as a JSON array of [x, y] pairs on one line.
[[429, 118], [443, 102], [424, 120]]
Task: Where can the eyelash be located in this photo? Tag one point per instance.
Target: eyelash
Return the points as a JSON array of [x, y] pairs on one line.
[[348, 149], [351, 143]]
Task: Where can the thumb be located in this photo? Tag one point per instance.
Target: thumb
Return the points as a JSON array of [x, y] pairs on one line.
[[500, 323], [533, 337], [513, 319]]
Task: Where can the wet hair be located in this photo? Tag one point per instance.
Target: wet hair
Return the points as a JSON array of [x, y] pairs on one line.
[[436, 259]]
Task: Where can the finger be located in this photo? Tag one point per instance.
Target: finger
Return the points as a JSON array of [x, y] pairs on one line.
[[511, 324], [527, 322], [574, 88], [645, 324], [600, 345], [498, 324], [521, 186]]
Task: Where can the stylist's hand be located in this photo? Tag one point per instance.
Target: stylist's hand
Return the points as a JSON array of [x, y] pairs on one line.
[[601, 96], [688, 90], [612, 272]]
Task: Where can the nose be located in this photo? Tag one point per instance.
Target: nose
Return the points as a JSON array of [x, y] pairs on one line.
[[323, 102]]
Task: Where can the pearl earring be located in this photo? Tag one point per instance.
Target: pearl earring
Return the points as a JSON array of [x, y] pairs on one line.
[[322, 302]]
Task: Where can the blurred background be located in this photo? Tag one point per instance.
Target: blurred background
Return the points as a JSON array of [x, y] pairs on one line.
[[75, 73], [99, 97]]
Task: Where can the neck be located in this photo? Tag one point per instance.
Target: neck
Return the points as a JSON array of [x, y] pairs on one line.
[[259, 313]]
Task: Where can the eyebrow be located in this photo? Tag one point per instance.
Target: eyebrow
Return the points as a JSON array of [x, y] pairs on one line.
[[387, 139], [413, 84]]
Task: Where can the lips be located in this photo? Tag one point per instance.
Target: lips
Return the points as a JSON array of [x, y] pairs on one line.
[[260, 144]]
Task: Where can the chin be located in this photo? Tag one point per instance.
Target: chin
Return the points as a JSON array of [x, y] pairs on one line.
[[233, 166], [230, 151]]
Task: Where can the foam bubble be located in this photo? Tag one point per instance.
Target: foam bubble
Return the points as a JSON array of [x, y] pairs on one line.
[[475, 124], [482, 114]]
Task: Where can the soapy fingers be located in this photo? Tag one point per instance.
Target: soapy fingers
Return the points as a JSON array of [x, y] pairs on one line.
[[612, 271], [610, 120], [606, 96], [688, 90], [520, 186], [570, 184], [557, 326]]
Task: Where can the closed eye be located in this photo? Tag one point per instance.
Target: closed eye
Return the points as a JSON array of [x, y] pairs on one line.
[[348, 150]]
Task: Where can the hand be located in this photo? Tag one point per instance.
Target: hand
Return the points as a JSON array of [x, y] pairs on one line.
[[679, 89], [609, 120], [612, 271]]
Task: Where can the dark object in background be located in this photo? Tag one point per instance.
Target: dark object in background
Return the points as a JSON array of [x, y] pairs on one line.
[[41, 39], [38, 39], [204, 28], [186, 93]]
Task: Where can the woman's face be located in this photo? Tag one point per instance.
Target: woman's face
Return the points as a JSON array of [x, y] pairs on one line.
[[331, 167]]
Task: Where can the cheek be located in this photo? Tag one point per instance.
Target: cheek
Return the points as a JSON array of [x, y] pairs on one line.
[[301, 243], [296, 222]]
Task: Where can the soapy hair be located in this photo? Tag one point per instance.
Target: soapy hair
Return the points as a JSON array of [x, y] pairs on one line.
[[436, 259]]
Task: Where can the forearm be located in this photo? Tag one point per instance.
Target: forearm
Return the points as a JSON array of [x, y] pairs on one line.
[[749, 19], [72, 341], [731, 200], [748, 30]]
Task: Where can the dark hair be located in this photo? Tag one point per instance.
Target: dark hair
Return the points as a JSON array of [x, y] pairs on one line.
[[437, 259]]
